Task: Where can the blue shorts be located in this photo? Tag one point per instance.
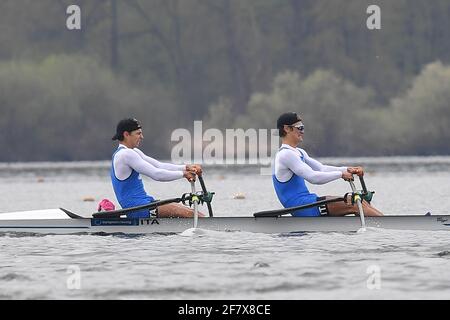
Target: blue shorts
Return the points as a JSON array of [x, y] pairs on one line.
[[309, 212]]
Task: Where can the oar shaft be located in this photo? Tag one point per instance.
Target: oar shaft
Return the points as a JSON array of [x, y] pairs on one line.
[[359, 204], [118, 213], [195, 202], [280, 212]]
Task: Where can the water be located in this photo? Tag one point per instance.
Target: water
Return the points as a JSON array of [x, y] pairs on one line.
[[378, 264]]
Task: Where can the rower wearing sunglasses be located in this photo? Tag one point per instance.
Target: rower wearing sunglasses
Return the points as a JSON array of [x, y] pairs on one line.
[[293, 166]]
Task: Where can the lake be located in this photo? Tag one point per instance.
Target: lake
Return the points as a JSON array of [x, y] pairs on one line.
[[377, 264]]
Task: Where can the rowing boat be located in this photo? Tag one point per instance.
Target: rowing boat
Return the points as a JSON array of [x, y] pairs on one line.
[[62, 221]]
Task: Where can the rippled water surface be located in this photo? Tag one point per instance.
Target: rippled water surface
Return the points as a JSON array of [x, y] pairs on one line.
[[377, 264]]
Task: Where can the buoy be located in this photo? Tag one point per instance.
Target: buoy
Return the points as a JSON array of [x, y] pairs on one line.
[[261, 265]]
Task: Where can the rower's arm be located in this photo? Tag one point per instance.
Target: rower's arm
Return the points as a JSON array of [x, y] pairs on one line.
[[318, 166], [159, 164], [290, 160], [134, 161]]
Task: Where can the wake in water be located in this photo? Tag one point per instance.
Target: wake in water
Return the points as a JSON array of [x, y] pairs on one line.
[[199, 232], [195, 232]]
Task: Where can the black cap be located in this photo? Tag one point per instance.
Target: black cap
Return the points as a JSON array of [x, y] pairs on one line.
[[287, 119], [127, 125]]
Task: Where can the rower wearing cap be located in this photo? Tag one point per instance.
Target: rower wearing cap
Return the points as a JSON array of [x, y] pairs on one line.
[[293, 166], [128, 162]]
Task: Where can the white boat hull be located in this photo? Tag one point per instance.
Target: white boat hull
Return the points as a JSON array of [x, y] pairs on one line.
[[56, 221]]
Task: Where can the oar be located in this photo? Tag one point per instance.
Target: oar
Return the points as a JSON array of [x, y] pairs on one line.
[[363, 184], [195, 201], [149, 206], [367, 195], [357, 198], [202, 183], [280, 212]]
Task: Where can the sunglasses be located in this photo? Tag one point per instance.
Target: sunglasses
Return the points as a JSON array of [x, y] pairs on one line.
[[300, 128]]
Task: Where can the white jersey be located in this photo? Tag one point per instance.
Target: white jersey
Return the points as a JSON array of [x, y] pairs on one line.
[[126, 160], [288, 162]]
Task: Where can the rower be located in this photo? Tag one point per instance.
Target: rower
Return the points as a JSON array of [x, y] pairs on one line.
[[293, 166], [128, 163]]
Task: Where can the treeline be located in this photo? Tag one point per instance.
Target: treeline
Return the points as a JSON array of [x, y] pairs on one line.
[[343, 119], [233, 63], [67, 108]]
